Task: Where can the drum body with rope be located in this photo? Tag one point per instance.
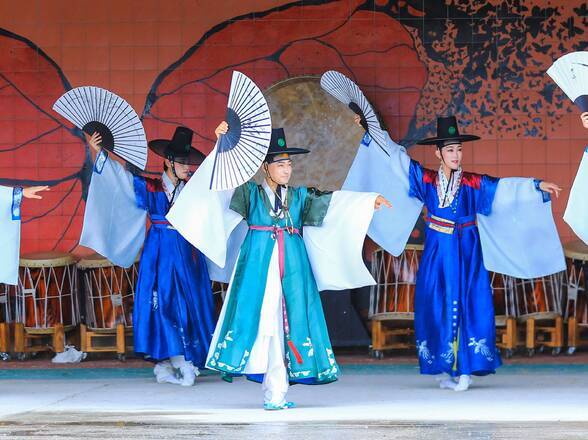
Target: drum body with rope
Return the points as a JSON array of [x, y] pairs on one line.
[[539, 303], [47, 302], [505, 312], [392, 299], [7, 298], [109, 293], [576, 304]]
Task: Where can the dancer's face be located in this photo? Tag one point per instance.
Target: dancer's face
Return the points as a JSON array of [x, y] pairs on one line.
[[280, 171], [182, 170], [451, 155]]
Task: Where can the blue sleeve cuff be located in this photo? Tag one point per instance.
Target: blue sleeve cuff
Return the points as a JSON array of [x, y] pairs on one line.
[[366, 139], [100, 161], [545, 195], [16, 202]]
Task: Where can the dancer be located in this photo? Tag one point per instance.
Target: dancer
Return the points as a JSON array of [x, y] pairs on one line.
[[297, 241], [173, 312], [10, 214], [474, 223]]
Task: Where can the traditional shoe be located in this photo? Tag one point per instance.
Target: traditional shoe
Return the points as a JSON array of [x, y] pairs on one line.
[[447, 384], [165, 373], [464, 383], [268, 406], [188, 374]]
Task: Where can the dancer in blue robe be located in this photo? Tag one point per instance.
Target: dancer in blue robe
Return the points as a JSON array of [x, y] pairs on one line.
[[173, 316], [576, 213], [10, 215], [475, 223]]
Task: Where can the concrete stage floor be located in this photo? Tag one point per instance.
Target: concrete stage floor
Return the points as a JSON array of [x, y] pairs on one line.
[[545, 398]]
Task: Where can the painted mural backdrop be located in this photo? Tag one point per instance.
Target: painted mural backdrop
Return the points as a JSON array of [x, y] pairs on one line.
[[484, 61]]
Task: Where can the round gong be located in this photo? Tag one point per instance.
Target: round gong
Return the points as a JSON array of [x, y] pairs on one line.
[[314, 120]]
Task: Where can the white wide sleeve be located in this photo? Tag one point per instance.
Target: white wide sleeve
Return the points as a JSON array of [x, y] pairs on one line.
[[114, 226], [335, 248], [386, 173], [519, 237], [576, 214], [10, 200], [204, 218]]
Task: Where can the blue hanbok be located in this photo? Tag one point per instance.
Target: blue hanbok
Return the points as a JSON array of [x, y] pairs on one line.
[[173, 313], [454, 311], [10, 201], [488, 224]]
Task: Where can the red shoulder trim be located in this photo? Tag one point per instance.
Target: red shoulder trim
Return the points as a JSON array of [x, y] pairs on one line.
[[471, 179], [153, 185], [429, 176]]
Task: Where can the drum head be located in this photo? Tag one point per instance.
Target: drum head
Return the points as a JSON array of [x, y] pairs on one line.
[[576, 250], [94, 261], [47, 259], [315, 120]]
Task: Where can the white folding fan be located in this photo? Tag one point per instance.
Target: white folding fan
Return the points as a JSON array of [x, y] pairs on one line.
[[346, 91], [93, 109], [241, 151], [570, 73]]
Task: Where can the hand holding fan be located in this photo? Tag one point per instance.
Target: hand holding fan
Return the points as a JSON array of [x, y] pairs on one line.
[[346, 91], [93, 109], [570, 73], [241, 151]]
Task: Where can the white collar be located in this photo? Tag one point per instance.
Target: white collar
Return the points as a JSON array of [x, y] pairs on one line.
[[168, 187], [445, 195], [270, 194], [272, 197]]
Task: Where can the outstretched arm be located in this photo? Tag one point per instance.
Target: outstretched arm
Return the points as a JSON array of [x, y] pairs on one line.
[[31, 192], [550, 187]]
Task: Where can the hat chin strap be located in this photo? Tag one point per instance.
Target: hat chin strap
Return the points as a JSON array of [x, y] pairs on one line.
[[269, 176], [178, 180]]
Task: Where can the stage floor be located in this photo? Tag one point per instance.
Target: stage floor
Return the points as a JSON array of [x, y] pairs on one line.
[[537, 401]]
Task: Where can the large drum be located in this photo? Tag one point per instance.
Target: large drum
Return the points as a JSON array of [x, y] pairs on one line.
[[575, 282], [392, 299], [542, 296], [395, 281], [109, 292], [503, 293], [47, 291], [7, 295]]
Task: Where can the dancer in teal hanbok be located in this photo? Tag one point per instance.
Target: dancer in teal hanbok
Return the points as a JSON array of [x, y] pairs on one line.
[[296, 241]]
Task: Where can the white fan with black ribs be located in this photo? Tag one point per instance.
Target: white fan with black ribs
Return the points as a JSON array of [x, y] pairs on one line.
[[570, 73], [93, 109], [346, 91], [241, 151]]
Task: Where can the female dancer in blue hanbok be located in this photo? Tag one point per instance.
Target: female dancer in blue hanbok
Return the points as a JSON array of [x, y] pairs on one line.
[[10, 215], [475, 223], [173, 310]]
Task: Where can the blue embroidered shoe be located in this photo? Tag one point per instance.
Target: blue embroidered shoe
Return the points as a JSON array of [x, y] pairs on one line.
[[268, 406]]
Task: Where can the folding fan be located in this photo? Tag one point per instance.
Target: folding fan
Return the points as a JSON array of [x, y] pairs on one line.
[[346, 91], [241, 151], [93, 109], [570, 73]]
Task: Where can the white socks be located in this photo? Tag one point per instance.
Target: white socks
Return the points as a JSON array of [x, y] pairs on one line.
[[447, 383], [457, 384], [167, 371], [464, 383]]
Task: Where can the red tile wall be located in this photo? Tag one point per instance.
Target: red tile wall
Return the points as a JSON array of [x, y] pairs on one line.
[[388, 47]]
